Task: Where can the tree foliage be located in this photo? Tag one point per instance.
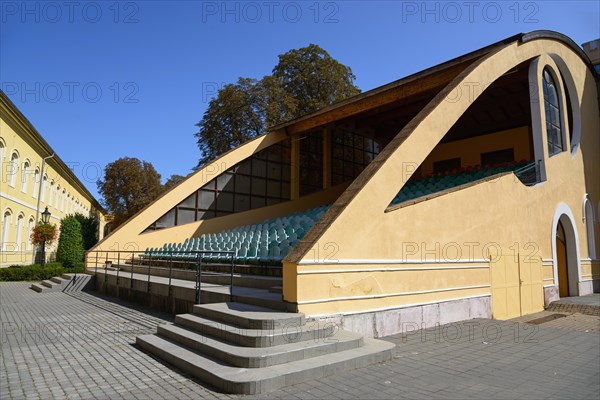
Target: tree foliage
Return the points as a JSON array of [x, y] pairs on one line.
[[304, 80], [89, 229], [313, 79], [70, 242], [128, 186], [173, 181]]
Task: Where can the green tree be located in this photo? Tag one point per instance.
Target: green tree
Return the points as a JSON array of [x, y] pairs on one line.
[[70, 242], [313, 79], [173, 181], [128, 186], [89, 229], [303, 81]]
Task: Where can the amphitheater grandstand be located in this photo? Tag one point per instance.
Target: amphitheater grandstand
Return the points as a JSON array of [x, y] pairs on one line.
[[408, 198]]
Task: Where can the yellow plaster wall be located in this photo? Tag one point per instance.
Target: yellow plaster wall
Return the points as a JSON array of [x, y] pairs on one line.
[[23, 200], [496, 214]]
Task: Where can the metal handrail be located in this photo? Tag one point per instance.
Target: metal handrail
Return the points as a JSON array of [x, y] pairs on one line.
[[130, 256]]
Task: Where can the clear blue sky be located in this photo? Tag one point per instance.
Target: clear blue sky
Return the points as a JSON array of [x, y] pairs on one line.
[[102, 80]]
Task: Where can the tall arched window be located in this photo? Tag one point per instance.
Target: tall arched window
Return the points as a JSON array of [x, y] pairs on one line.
[[43, 189], [36, 182], [588, 209], [19, 234], [6, 221], [25, 176], [553, 114], [57, 200], [63, 200], [51, 194], [2, 150], [13, 168], [30, 226]]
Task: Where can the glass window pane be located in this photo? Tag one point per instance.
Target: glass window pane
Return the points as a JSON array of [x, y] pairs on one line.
[[258, 186], [259, 168], [257, 202], [185, 216], [244, 167], [274, 189], [274, 171], [225, 182], [242, 184], [190, 202], [225, 202], [207, 200], [167, 220], [285, 190], [242, 202]]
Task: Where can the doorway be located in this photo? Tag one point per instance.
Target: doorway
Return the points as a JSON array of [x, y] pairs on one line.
[[561, 261]]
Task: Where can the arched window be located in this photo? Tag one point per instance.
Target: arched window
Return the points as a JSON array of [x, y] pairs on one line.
[[36, 182], [19, 234], [51, 194], [2, 148], [588, 210], [43, 189], [63, 200], [13, 168], [6, 221], [57, 200], [25, 176], [553, 114], [30, 226]]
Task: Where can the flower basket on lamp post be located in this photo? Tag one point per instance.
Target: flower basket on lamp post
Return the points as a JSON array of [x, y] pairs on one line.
[[43, 234]]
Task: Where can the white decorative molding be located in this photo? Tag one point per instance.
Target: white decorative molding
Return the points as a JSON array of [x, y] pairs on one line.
[[377, 296]]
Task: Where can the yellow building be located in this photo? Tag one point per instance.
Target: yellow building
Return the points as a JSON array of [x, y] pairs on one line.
[[470, 189], [32, 178]]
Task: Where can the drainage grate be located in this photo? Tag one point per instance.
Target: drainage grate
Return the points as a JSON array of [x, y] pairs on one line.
[[545, 319]]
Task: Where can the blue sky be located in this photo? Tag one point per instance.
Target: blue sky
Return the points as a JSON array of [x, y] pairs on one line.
[[102, 80]]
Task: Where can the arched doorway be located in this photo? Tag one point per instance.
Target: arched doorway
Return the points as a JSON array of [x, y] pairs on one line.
[[566, 255], [561, 261]]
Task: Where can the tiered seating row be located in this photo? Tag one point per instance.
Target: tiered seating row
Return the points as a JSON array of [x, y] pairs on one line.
[[266, 242], [433, 183]]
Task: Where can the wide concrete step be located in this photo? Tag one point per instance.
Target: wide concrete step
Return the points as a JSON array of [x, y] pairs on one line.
[[255, 337], [260, 380], [49, 284], [276, 289], [248, 315], [59, 280], [38, 287], [260, 357]]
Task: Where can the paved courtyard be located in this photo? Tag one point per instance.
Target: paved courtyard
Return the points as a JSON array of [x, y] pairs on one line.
[[80, 345]]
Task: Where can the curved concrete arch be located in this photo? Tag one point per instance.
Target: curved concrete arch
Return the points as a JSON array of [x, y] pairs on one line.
[[371, 192], [573, 99]]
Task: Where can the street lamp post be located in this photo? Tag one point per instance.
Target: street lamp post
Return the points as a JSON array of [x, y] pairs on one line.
[[45, 219]]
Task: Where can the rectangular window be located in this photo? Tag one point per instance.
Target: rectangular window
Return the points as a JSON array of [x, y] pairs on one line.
[[446, 165], [498, 157]]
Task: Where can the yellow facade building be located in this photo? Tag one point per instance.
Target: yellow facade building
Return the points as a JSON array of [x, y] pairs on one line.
[[32, 178], [470, 189]]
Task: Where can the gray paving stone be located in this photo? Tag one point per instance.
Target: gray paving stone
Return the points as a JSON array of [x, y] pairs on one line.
[[561, 362]]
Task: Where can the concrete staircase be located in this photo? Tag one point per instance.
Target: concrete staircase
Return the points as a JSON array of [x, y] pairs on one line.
[[248, 349], [63, 283]]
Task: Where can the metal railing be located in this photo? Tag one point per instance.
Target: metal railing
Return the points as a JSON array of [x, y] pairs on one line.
[[197, 259], [529, 174]]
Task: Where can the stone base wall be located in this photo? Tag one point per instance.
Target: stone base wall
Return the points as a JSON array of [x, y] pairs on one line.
[[409, 319]]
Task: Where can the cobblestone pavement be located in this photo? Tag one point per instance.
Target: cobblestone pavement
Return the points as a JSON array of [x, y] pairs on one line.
[[80, 345]]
